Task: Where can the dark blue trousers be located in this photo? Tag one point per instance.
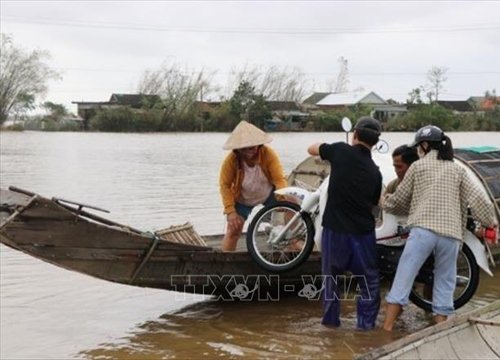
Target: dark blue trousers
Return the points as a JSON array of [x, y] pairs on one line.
[[358, 254]]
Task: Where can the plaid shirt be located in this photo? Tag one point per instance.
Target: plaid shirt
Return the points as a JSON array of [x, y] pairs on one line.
[[435, 195]]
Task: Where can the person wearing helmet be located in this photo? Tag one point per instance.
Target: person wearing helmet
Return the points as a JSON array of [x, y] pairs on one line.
[[434, 194], [348, 238], [248, 176]]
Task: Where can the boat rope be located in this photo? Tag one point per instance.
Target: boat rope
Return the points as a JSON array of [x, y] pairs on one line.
[[155, 239], [484, 321]]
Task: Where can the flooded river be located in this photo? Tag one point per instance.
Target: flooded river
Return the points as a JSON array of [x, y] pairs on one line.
[[152, 181]]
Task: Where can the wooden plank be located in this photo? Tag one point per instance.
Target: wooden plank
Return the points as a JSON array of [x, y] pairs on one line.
[[72, 234], [86, 253], [409, 355], [454, 324], [439, 349], [79, 254], [469, 344], [412, 342], [184, 234], [14, 198], [491, 334]]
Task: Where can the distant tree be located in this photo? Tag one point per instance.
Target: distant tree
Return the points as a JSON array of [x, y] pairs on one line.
[[24, 103], [425, 114], [436, 77], [178, 89], [490, 94], [23, 76], [259, 111], [492, 97], [275, 83], [246, 104], [415, 96], [56, 111], [242, 98], [340, 84]]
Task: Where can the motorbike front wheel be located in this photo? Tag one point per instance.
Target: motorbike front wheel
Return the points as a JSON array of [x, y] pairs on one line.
[[280, 237], [466, 284]]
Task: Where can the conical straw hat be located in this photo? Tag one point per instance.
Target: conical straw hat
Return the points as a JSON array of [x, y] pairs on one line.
[[246, 135]]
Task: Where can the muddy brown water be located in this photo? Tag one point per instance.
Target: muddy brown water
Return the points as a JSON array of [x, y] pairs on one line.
[[150, 182]]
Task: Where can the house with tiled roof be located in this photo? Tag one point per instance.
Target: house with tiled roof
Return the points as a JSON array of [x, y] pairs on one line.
[[286, 116], [87, 109], [315, 97], [135, 101], [457, 106], [484, 103]]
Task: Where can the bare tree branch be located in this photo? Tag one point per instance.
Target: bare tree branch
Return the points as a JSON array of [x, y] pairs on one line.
[[275, 83]]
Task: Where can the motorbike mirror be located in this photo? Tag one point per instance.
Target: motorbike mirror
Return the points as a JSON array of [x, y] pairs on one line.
[[346, 124], [382, 147]]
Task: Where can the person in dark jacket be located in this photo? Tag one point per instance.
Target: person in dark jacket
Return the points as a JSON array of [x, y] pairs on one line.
[[348, 238]]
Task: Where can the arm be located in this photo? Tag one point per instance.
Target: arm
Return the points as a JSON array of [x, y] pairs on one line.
[[314, 149], [481, 207], [226, 179], [378, 192], [391, 187], [399, 202]]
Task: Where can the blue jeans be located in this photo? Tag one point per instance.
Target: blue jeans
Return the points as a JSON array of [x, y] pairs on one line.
[[420, 244], [357, 253], [245, 210]]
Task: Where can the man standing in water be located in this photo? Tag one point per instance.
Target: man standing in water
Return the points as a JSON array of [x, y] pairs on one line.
[[348, 239]]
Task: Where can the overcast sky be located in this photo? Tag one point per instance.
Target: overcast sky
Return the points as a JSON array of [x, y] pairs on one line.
[[104, 47]]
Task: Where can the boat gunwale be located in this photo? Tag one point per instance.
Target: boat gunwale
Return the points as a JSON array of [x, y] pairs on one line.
[[413, 341]]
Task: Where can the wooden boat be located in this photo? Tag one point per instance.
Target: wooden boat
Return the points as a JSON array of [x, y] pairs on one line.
[[62, 233], [69, 235], [473, 335]]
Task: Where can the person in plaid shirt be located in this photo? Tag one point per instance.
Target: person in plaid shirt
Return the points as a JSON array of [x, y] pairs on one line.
[[435, 194]]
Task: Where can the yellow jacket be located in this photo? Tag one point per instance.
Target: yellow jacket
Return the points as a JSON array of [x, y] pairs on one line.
[[231, 175]]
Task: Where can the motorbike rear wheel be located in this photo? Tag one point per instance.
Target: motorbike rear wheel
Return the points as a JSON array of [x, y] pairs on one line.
[[466, 286], [277, 254]]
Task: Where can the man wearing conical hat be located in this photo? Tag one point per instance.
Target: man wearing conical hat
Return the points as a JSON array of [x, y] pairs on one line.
[[248, 177]]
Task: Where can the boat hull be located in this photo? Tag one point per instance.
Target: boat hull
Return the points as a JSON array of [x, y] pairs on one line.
[[66, 237]]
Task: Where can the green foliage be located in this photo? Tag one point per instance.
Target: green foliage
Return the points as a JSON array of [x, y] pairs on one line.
[[415, 96], [421, 115], [246, 104], [125, 119], [13, 127], [489, 121], [242, 98], [23, 76], [56, 111], [328, 122], [221, 119], [187, 120], [258, 112], [332, 120]]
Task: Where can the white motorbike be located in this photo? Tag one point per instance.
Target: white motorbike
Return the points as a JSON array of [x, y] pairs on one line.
[[282, 236]]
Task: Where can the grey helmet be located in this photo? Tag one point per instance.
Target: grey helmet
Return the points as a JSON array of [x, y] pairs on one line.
[[368, 123], [428, 133]]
